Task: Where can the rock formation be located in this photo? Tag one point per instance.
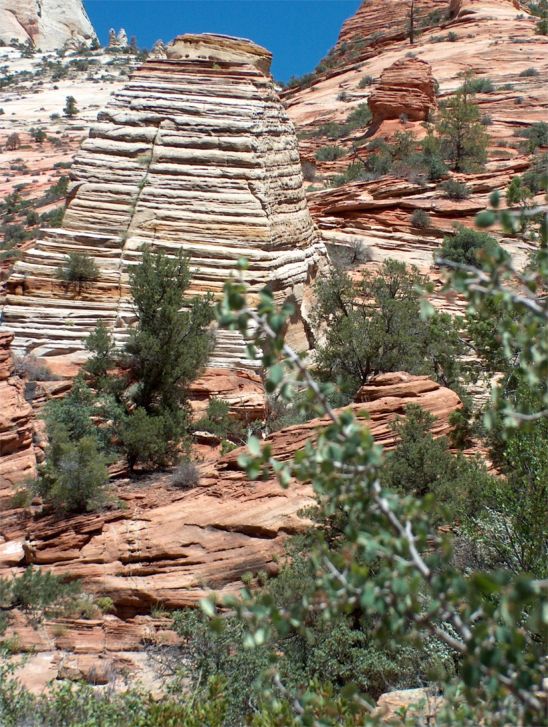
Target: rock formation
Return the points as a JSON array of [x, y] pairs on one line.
[[405, 88], [196, 152], [47, 24], [173, 546], [17, 459], [117, 40], [381, 22]]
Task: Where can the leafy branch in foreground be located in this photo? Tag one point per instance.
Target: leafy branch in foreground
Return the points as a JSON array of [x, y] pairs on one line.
[[393, 566]]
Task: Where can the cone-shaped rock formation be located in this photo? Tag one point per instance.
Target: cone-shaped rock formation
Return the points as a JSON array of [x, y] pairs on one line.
[[196, 152], [47, 24]]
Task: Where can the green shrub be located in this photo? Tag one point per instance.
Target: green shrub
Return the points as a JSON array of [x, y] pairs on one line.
[[219, 421], [529, 73], [150, 439], [79, 271], [462, 138], [420, 218], [473, 84], [466, 246], [71, 109], [455, 190], [359, 118], [372, 325], [366, 81], [330, 153], [353, 173], [421, 465], [38, 135], [74, 476], [536, 135]]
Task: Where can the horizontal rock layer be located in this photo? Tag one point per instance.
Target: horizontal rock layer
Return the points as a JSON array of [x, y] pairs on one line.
[[196, 154], [406, 87]]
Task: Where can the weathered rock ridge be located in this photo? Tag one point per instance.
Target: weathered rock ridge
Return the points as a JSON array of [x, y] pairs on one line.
[[196, 152], [173, 547], [47, 24], [17, 459]]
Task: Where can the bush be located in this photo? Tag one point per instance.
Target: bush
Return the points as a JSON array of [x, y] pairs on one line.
[[330, 153], [372, 325], [473, 84], [536, 135], [308, 170], [75, 474], [420, 218], [151, 439], [455, 190], [37, 591], [186, 475], [220, 422], [359, 118], [33, 369], [421, 465], [71, 109], [466, 246], [366, 81], [529, 73], [38, 135], [353, 173], [13, 142], [79, 271], [463, 141]]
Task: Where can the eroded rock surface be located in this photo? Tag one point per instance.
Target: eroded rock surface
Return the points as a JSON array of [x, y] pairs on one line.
[[405, 88], [196, 152], [173, 546], [17, 459], [47, 24]]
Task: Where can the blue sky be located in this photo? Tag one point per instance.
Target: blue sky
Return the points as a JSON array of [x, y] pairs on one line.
[[298, 32]]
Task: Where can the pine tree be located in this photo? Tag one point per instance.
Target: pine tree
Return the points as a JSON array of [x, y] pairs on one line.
[[462, 137]]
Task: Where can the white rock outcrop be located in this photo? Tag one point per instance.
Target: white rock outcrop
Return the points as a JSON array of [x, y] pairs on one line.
[[48, 24], [196, 152]]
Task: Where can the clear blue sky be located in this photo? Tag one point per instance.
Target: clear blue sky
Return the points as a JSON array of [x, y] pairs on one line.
[[298, 32]]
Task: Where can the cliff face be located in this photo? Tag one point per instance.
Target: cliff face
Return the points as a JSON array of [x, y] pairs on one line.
[[48, 24], [196, 152], [17, 459]]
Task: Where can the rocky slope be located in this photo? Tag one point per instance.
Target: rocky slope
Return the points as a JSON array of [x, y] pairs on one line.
[[171, 547], [195, 153], [45, 24], [496, 40]]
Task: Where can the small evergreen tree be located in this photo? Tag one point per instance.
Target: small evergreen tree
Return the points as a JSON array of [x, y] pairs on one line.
[[462, 136], [79, 271], [71, 109], [13, 142], [171, 341], [467, 246], [373, 325]]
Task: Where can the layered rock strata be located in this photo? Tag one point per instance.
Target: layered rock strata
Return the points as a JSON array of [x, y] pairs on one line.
[[173, 546], [406, 87], [195, 153], [46, 24], [17, 459]]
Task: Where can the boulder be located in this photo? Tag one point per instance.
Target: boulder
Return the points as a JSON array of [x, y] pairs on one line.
[[405, 88]]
